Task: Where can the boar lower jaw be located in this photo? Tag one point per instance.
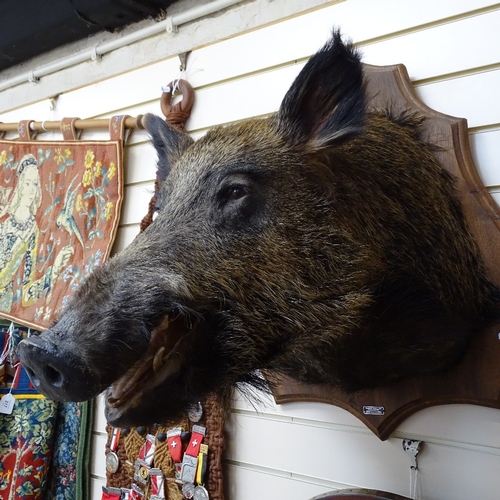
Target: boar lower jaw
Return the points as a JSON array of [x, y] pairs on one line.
[[163, 358]]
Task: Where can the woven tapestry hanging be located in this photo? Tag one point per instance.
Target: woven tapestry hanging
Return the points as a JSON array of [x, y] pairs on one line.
[[59, 210]]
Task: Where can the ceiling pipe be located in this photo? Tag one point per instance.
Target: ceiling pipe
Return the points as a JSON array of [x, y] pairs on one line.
[[170, 24]]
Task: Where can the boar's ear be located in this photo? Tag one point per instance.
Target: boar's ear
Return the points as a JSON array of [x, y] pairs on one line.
[[169, 142], [326, 102]]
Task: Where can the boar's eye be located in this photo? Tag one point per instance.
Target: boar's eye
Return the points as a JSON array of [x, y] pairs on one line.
[[236, 192], [233, 188], [238, 199]]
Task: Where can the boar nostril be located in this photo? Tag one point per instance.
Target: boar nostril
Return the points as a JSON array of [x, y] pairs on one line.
[[50, 374], [53, 376]]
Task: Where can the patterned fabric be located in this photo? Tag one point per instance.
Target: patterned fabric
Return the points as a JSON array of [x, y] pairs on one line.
[[27, 434], [69, 472], [26, 438], [59, 209], [62, 431]]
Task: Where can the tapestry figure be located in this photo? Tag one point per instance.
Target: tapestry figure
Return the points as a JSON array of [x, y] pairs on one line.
[[19, 234]]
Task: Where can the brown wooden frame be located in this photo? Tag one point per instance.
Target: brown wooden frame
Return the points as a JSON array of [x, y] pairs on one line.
[[476, 378]]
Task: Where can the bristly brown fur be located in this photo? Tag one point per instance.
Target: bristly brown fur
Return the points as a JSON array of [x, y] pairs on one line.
[[324, 243]]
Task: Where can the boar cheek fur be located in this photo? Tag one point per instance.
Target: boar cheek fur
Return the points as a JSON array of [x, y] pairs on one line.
[[324, 243]]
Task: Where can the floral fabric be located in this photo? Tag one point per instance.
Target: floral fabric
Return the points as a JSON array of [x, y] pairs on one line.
[[26, 438], [59, 209], [26, 434], [69, 472], [44, 446]]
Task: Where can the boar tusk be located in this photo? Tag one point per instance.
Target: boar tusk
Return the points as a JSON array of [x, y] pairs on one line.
[[158, 360]]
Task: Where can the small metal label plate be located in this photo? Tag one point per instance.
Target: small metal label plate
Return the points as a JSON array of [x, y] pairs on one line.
[[373, 410]]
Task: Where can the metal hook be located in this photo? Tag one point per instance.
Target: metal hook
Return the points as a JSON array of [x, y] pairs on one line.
[[412, 449], [183, 59]]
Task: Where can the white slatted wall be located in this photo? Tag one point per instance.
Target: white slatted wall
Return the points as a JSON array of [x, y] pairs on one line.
[[452, 51]]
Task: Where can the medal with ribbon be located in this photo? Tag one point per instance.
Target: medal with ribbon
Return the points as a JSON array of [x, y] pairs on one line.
[[201, 470], [112, 461], [157, 484], [147, 450]]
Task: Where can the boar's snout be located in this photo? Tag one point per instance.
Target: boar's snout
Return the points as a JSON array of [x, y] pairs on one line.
[[56, 373]]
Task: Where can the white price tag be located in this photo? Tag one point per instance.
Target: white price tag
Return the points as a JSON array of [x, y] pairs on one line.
[[7, 403]]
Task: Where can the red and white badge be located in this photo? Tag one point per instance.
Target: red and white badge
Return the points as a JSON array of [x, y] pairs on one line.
[[174, 444], [197, 434], [111, 493]]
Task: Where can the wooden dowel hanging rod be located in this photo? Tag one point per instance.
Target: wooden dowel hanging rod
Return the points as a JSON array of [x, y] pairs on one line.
[[97, 123]]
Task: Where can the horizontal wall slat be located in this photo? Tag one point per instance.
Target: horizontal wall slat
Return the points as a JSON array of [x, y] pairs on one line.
[[125, 236], [365, 19], [315, 412], [455, 425], [99, 421], [135, 202], [296, 448], [122, 91], [98, 465], [141, 160], [485, 148], [441, 50], [96, 485], [474, 97], [245, 483]]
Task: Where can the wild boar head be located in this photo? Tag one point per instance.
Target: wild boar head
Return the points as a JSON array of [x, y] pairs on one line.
[[323, 242]]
